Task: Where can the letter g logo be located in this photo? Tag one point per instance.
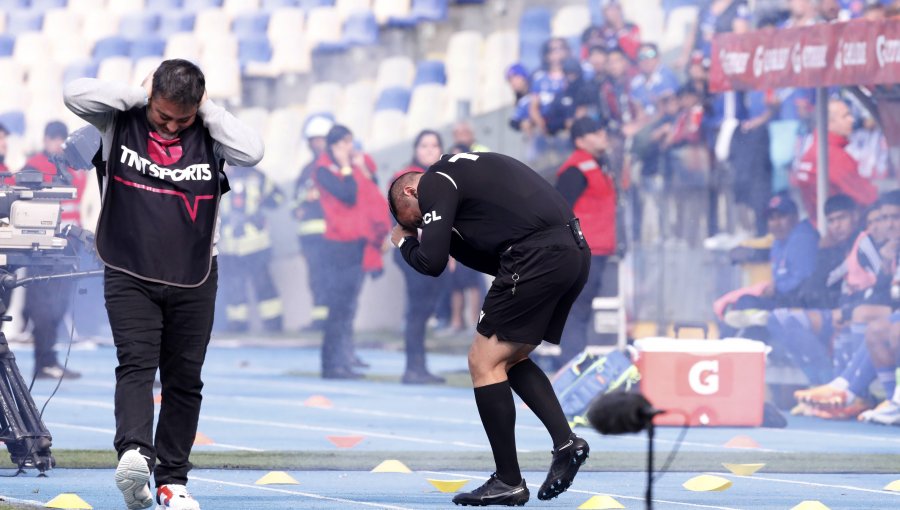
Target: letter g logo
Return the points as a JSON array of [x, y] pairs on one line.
[[703, 377]]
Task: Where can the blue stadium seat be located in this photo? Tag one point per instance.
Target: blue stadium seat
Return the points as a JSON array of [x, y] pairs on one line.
[[7, 44], [534, 29], [199, 5], [43, 5], [430, 71], [162, 6], [271, 5], [20, 21], [466, 2], [86, 69], [429, 10], [173, 22], [14, 121], [254, 49], [361, 29], [596, 13], [393, 98], [113, 46], [136, 24], [309, 4], [250, 24], [11, 5], [147, 46]]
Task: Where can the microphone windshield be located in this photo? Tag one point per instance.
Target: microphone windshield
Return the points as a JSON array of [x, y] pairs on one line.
[[620, 413]]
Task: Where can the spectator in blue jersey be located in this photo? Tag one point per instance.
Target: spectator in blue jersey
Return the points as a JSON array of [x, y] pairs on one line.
[[653, 80], [547, 82], [520, 83]]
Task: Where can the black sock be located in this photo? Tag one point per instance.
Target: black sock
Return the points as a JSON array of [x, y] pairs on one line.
[[532, 385], [498, 415]]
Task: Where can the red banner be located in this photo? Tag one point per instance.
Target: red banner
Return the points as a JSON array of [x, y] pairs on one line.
[[851, 53]]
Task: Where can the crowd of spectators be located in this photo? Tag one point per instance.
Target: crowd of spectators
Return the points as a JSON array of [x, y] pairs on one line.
[[695, 165]]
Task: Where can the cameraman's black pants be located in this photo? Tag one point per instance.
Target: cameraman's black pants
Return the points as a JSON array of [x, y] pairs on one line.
[[46, 303], [344, 279], [165, 327]]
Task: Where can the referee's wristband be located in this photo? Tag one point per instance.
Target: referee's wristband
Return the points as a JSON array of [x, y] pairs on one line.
[[403, 241]]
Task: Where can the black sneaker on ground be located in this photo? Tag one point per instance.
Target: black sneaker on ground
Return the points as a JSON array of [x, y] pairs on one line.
[[566, 461], [494, 492]]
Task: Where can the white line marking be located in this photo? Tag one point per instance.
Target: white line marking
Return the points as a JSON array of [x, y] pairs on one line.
[[298, 493], [842, 435], [236, 447], [592, 493], [810, 484], [80, 427]]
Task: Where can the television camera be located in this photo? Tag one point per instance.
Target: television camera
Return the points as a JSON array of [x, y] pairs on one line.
[[32, 237]]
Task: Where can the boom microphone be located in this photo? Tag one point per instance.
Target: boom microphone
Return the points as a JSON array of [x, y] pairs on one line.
[[621, 412]]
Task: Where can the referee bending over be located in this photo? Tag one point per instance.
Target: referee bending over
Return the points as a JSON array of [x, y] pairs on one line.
[[496, 215]]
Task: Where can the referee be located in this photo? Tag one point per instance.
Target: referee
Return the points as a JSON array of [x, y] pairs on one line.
[[496, 215]]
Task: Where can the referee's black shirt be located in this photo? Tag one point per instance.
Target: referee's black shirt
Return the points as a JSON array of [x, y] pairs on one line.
[[474, 206]]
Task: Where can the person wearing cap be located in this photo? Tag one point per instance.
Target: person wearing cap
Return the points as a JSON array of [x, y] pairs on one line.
[[245, 251], [653, 80], [47, 303], [590, 190], [311, 219], [520, 82]]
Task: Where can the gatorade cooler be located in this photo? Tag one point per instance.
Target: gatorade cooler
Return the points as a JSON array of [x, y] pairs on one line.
[[713, 382]]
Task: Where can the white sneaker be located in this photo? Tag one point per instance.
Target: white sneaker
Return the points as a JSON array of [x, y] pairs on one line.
[[175, 497], [132, 475], [742, 319]]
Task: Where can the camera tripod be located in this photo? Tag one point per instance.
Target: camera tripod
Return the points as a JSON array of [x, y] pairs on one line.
[[21, 427]]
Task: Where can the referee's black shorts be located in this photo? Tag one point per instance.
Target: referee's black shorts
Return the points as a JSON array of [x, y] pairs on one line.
[[549, 270]]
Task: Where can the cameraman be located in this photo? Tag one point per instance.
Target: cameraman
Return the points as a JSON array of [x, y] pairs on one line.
[[162, 145], [46, 303]]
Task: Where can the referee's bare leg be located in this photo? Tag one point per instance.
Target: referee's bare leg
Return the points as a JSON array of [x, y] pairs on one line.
[[498, 367]]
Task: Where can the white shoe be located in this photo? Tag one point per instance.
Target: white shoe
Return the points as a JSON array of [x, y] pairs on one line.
[[132, 475], [175, 497], [742, 319]]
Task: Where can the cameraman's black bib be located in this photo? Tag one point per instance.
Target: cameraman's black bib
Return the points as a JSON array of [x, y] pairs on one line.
[[157, 221]]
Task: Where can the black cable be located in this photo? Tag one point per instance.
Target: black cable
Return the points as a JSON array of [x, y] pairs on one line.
[[62, 376]]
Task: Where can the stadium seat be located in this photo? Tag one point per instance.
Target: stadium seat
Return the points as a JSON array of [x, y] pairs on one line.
[[85, 6], [290, 57], [44, 5], [221, 46], [11, 5], [286, 24], [680, 21], [323, 29], [137, 24], [493, 95], [99, 24], [14, 97], [125, 6], [570, 21], [174, 22], [14, 121], [463, 61], [388, 128], [162, 6], [324, 97], [62, 21], [429, 10], [199, 5], [393, 98], [183, 45], [254, 49], [312, 4], [113, 46], [147, 46], [385, 10], [7, 43], [235, 7], [250, 24], [394, 72], [143, 67], [20, 21], [356, 108], [430, 71], [534, 29], [501, 49], [255, 117], [85, 69], [652, 22], [32, 48], [211, 23], [283, 133], [116, 69], [69, 47], [428, 109], [360, 29], [347, 7], [271, 5], [596, 13], [12, 72], [223, 78]]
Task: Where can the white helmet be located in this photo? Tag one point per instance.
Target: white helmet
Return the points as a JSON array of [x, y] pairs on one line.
[[317, 126]]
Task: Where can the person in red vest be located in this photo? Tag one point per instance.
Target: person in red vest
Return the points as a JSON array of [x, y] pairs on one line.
[[843, 170], [590, 190], [344, 192], [47, 303]]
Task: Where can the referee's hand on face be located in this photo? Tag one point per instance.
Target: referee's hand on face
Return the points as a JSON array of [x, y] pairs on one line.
[[399, 232]]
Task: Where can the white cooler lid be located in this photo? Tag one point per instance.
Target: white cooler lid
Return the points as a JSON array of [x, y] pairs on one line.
[[663, 344]]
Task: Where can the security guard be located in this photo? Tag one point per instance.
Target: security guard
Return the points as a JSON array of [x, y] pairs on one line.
[[311, 219], [245, 249], [590, 190], [497, 215]]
